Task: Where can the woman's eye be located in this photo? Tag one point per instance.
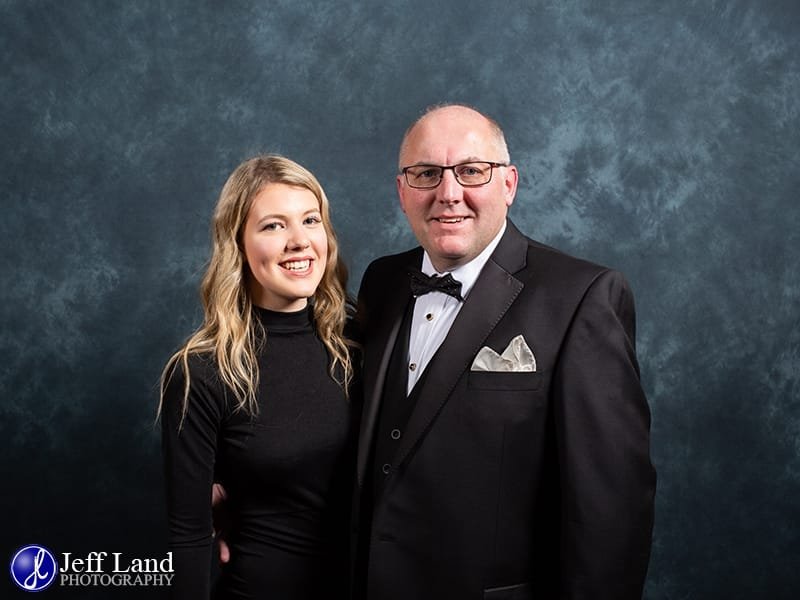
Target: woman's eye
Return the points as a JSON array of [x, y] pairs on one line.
[[313, 220], [270, 227]]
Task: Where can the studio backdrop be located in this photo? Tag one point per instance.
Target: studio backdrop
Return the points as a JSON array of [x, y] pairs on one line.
[[659, 138]]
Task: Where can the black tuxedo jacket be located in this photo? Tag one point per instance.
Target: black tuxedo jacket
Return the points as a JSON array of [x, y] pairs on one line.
[[511, 485]]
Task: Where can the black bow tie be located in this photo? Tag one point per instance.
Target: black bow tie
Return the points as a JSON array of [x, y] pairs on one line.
[[421, 284]]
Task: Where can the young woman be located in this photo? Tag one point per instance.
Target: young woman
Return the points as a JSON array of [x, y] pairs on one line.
[[257, 398]]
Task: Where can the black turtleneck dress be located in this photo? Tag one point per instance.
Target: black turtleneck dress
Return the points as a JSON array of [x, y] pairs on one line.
[[287, 472]]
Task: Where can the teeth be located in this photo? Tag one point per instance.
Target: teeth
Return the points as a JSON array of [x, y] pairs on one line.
[[452, 220], [296, 265]]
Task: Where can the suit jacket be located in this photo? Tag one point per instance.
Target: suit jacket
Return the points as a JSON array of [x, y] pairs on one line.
[[511, 485]]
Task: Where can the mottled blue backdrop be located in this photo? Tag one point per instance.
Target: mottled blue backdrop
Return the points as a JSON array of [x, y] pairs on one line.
[[661, 138]]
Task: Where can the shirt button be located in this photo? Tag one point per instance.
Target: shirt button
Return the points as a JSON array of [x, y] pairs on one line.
[[429, 316], [412, 367], [395, 434], [386, 468]]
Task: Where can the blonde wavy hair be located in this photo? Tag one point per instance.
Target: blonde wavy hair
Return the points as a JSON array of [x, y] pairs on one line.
[[230, 332]]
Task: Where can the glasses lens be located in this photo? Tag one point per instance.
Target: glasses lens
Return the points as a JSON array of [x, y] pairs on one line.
[[424, 176], [475, 173]]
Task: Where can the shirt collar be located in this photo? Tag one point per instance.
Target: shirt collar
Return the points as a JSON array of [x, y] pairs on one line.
[[467, 274]]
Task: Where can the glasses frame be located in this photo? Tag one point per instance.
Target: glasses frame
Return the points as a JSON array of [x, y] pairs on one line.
[[492, 167]]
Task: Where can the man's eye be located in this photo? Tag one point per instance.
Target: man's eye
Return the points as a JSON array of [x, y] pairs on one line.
[[469, 170], [427, 174]]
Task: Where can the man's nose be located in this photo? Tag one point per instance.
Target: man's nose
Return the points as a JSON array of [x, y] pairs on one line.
[[449, 189]]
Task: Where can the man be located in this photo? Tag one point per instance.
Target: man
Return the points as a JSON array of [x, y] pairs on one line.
[[504, 444]]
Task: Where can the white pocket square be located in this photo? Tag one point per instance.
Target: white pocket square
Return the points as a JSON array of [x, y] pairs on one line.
[[517, 357]]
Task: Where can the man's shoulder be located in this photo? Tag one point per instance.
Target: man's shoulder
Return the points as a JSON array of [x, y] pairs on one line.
[[399, 262], [542, 258], [544, 255], [563, 273]]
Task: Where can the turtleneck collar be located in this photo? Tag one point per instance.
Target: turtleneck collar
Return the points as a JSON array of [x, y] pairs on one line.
[[285, 322]]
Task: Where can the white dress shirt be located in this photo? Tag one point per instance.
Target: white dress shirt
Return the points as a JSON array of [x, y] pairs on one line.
[[435, 312]]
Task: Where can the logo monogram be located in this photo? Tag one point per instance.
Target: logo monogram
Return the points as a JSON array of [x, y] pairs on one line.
[[33, 568]]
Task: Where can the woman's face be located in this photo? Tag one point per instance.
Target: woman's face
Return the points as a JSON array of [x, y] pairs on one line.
[[286, 247]]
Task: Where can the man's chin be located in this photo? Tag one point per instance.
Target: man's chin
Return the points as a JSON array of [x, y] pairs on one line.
[[447, 257]]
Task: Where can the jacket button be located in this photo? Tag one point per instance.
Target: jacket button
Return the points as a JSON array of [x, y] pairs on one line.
[[386, 468], [395, 434]]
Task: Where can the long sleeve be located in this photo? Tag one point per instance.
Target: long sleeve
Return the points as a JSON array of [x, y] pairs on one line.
[[189, 451], [602, 433]]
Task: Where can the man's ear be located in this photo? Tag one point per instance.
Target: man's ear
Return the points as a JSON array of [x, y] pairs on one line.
[[400, 190], [510, 181]]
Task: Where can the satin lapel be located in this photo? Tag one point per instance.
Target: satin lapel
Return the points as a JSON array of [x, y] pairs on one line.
[[490, 298], [380, 345]]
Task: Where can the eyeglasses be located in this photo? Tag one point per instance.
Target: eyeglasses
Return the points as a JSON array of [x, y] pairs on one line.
[[468, 174]]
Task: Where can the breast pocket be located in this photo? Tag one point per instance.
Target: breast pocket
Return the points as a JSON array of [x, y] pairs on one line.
[[523, 591], [505, 381]]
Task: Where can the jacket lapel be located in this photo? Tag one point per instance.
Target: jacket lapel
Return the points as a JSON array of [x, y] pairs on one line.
[[493, 293], [380, 345]]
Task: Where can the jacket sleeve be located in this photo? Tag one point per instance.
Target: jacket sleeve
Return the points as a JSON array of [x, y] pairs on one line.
[[189, 449], [602, 426]]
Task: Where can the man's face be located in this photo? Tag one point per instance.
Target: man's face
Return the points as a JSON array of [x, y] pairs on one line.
[[455, 223]]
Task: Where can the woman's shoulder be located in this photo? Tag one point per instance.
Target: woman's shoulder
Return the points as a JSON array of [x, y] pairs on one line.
[[205, 387], [201, 368]]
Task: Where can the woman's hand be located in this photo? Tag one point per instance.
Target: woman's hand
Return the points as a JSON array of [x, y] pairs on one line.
[[219, 515]]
